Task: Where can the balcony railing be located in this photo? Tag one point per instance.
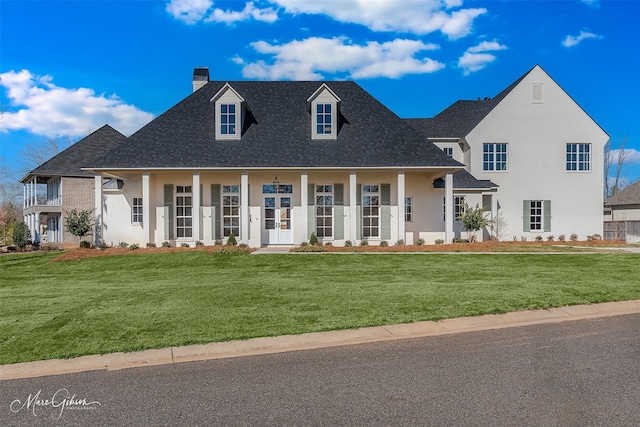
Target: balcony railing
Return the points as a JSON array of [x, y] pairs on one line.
[[43, 201]]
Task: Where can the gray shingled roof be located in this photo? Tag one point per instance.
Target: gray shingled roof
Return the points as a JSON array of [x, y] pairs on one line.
[[278, 134], [459, 119], [70, 161], [629, 196], [464, 180]]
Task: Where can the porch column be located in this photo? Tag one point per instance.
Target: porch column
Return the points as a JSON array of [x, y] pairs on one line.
[[36, 233], [98, 209], [304, 201], [24, 196], [494, 215], [244, 208], [146, 208], [195, 206], [448, 207], [353, 223], [401, 206]]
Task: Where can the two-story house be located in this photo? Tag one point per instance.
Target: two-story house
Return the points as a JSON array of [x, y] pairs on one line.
[[273, 162], [68, 187]]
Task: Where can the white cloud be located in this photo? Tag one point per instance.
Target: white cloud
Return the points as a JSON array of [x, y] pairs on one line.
[[40, 107], [189, 11], [478, 57], [412, 16], [592, 3], [631, 156], [193, 11], [308, 59], [571, 41]]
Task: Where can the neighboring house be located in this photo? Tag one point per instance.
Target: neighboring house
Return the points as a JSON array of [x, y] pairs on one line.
[[538, 147], [273, 162], [67, 186], [622, 215]]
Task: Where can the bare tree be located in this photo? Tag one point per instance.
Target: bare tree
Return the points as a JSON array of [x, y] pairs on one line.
[[36, 153], [614, 158]]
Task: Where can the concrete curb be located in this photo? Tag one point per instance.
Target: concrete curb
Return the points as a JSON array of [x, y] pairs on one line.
[[315, 340]]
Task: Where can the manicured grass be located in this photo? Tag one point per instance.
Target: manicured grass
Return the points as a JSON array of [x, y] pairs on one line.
[[134, 302]]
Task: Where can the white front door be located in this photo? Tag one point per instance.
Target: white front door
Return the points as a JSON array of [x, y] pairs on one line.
[[277, 227]]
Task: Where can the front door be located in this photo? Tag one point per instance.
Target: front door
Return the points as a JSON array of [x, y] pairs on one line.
[[278, 228]]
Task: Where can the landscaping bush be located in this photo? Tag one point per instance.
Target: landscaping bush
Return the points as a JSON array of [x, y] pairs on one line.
[[347, 244], [151, 245], [538, 238], [561, 238], [231, 240], [218, 242], [573, 237], [87, 245], [199, 243], [121, 245], [102, 246], [384, 243], [364, 243], [166, 244], [134, 246], [420, 242], [438, 242], [21, 236], [400, 242], [550, 238], [184, 245], [313, 240]]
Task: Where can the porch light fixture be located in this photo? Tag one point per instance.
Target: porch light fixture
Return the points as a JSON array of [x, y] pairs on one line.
[[276, 184]]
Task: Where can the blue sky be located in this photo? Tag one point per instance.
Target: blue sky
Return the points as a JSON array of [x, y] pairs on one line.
[[68, 67]]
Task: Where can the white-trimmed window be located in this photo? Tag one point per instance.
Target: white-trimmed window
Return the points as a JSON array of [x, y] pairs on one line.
[[535, 215], [230, 110], [324, 119], [370, 211], [324, 211], [136, 210], [323, 106], [228, 121], [184, 211], [230, 210], [494, 156], [448, 151], [458, 208], [578, 157], [408, 209]]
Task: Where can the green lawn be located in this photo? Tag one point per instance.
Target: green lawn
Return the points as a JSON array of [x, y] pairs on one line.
[[139, 301]]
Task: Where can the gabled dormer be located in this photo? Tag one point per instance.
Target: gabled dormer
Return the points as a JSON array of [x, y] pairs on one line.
[[324, 107], [230, 110]]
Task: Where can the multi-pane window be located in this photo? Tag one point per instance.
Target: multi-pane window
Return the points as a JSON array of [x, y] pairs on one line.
[[448, 151], [535, 215], [578, 157], [324, 211], [184, 211], [408, 209], [494, 157], [136, 210], [323, 119], [458, 208], [227, 119], [370, 211], [230, 210]]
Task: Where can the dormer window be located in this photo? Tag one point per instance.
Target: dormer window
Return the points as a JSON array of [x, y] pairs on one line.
[[227, 119], [323, 119], [324, 106], [231, 109]]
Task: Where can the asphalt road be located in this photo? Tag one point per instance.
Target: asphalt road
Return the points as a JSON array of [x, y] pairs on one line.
[[581, 373]]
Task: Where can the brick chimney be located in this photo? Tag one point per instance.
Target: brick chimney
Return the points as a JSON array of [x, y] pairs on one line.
[[200, 77]]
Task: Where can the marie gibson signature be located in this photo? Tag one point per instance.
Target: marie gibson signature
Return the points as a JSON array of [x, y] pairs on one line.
[[60, 400]]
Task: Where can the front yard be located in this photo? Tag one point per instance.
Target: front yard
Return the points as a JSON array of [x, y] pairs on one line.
[[150, 300]]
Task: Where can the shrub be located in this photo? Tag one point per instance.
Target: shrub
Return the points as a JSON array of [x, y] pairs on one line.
[[458, 240], [199, 243], [151, 245], [184, 245], [231, 240], [328, 244], [347, 244], [538, 238], [364, 243], [384, 243], [102, 246], [400, 242], [218, 242], [120, 245], [86, 245], [304, 244], [313, 240], [166, 244], [523, 238], [46, 247], [21, 235], [561, 238], [438, 241], [134, 246], [596, 237], [515, 238], [573, 237], [420, 242], [550, 238]]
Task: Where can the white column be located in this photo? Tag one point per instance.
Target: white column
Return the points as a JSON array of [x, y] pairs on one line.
[[304, 200], [146, 208], [97, 237], [353, 224], [244, 207], [36, 234], [195, 206], [24, 196], [401, 196], [449, 208], [494, 214]]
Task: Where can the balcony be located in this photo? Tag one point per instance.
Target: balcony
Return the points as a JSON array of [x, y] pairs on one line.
[[42, 204]]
